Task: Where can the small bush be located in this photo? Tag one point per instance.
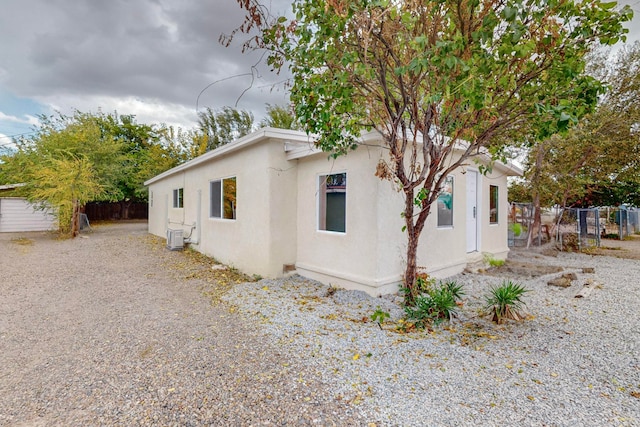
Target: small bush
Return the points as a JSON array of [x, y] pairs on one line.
[[493, 262], [516, 228], [505, 301], [380, 316], [436, 305], [424, 282]]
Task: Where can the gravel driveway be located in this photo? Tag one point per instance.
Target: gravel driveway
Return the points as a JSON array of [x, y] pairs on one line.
[[113, 329], [106, 330]]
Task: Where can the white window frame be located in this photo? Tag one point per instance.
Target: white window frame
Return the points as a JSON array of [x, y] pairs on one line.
[[497, 205], [321, 204], [450, 178], [220, 213], [178, 198]]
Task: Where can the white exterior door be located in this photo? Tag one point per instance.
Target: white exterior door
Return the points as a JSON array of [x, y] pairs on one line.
[[472, 211]]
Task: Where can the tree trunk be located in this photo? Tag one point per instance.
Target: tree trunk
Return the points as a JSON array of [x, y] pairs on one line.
[[124, 208], [75, 219], [411, 268], [537, 219]]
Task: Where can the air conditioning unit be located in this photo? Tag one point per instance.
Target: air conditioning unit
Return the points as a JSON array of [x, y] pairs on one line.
[[175, 240]]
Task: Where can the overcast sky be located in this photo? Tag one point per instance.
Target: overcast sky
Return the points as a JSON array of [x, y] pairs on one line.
[[150, 58]]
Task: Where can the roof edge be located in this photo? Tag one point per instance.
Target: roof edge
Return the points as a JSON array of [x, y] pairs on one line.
[[246, 141]]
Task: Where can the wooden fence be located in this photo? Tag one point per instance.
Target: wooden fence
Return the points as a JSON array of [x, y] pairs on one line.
[[104, 211]]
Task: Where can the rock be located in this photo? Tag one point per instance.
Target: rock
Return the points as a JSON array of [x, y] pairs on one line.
[[588, 270], [570, 276], [585, 291], [561, 282]]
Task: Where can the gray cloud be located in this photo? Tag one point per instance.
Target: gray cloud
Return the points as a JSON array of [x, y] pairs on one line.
[[146, 57], [159, 51]]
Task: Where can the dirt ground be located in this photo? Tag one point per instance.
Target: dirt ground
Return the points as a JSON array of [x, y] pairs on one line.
[[522, 261], [628, 248]]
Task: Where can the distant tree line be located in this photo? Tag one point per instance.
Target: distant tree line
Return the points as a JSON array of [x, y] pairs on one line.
[[96, 157], [597, 162]]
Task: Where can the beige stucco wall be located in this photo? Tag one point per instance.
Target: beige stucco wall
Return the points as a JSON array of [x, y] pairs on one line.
[[262, 237], [371, 254], [277, 217], [494, 236], [347, 259]]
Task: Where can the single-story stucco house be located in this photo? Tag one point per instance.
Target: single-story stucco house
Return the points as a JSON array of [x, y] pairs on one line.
[[17, 214], [271, 203]]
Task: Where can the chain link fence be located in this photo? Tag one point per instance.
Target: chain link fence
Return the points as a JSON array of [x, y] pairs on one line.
[[571, 228]]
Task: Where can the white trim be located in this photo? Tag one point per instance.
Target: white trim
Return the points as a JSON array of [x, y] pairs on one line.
[[360, 282], [221, 217], [453, 193], [478, 206], [11, 186], [245, 141], [176, 192], [346, 196], [299, 144]]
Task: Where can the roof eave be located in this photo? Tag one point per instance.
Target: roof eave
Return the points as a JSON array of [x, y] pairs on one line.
[[241, 143]]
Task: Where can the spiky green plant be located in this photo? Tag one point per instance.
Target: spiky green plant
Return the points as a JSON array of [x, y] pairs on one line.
[[436, 305], [505, 301]]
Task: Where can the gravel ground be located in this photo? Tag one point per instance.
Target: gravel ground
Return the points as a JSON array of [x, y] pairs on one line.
[[113, 330], [572, 362], [109, 329]]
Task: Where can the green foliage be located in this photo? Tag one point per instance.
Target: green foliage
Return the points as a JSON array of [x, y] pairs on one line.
[[424, 283], [87, 157], [68, 162], [439, 303], [380, 316], [593, 164], [493, 262], [516, 228], [137, 144], [224, 126], [505, 301], [520, 192], [430, 75], [280, 117]]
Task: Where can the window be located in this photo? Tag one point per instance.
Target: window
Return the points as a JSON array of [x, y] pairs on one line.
[[223, 198], [333, 202], [178, 201], [493, 204], [445, 203]]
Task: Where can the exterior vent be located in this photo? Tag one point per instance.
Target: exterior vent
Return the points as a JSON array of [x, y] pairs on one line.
[[175, 240]]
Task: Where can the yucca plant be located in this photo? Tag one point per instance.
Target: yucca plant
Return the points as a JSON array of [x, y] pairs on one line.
[[438, 304], [505, 301]]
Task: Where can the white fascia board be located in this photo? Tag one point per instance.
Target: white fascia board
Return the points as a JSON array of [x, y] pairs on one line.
[[11, 186], [263, 134]]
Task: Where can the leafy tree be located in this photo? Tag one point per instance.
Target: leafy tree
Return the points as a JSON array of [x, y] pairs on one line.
[[595, 163], [183, 145], [67, 183], [68, 162], [224, 126], [432, 77], [137, 141], [279, 116]]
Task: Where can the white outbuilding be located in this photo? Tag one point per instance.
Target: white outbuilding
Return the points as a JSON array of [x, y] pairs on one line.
[[17, 214]]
